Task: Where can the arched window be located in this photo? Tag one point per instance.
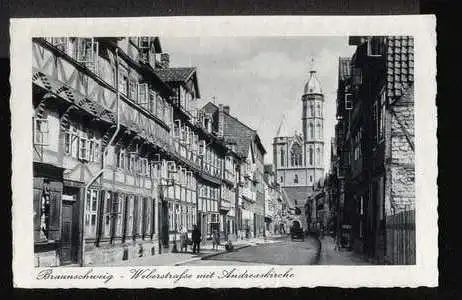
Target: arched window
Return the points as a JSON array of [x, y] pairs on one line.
[[311, 130], [282, 157], [295, 178], [296, 155], [311, 156], [312, 109], [318, 109], [318, 129], [318, 156]]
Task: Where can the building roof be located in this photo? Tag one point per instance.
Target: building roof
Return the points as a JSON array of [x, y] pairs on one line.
[[400, 65], [178, 75], [313, 86], [234, 131]]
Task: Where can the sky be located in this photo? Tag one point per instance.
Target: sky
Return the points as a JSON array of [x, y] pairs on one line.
[[262, 78]]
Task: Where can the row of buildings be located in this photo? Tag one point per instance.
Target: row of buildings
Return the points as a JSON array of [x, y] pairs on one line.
[[123, 158], [371, 181]]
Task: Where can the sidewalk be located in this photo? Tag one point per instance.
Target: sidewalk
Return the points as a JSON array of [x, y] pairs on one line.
[[175, 259], [331, 256]]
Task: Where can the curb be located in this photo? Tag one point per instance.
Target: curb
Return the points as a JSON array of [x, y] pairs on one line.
[[236, 248]]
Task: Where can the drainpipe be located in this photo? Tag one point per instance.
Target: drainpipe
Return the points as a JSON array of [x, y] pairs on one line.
[[100, 172]]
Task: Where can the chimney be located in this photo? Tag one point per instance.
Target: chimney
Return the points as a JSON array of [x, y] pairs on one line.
[[221, 119], [226, 109], [164, 60]]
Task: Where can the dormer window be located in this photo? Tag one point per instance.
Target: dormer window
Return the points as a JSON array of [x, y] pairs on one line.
[[207, 124]]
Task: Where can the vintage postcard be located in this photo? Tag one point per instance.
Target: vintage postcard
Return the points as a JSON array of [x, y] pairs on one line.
[[224, 152]]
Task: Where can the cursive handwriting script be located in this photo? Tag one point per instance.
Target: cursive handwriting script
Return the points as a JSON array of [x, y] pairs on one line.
[[51, 274], [148, 273], [271, 273]]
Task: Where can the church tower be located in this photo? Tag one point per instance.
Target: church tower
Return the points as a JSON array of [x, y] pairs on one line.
[[313, 128], [298, 158]]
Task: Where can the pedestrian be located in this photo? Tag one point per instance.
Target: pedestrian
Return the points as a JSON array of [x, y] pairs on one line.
[[196, 239], [215, 239], [183, 239]]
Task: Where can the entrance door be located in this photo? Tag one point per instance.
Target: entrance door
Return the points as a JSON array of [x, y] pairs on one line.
[[67, 233]]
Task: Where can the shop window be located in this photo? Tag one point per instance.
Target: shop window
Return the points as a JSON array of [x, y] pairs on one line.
[[130, 214], [91, 211], [107, 217]]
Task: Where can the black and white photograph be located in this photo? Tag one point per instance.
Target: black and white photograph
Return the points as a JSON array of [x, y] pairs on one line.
[[155, 150]]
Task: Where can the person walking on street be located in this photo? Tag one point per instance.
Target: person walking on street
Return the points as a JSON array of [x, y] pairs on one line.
[[196, 239], [215, 238], [183, 239]]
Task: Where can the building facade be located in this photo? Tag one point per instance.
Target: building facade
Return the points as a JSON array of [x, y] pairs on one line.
[[375, 148], [122, 157], [247, 155], [298, 158]]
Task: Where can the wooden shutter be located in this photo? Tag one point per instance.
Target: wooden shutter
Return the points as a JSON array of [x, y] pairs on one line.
[[54, 230]]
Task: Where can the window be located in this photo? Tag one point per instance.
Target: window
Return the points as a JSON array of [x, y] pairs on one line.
[[40, 132], [348, 101], [143, 95], [117, 209], [318, 156], [59, 43], [295, 178], [130, 208], [91, 210], [375, 46], [282, 179], [296, 155], [311, 178], [357, 78], [361, 214], [133, 90], [318, 110], [87, 53], [84, 153], [107, 214], [67, 142], [282, 157], [152, 101], [318, 129], [312, 109], [311, 155], [311, 130], [123, 80]]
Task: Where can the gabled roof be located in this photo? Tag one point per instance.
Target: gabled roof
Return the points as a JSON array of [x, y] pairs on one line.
[[235, 131], [181, 75]]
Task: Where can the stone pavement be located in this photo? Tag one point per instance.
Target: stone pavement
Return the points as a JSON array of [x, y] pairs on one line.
[[171, 259], [330, 255]]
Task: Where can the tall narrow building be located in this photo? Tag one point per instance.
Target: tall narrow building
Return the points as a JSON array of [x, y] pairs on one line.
[[298, 158]]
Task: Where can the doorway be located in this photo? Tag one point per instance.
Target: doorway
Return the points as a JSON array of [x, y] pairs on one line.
[[68, 234]]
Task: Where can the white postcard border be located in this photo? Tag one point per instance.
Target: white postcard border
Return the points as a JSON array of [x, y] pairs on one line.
[[424, 273]]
